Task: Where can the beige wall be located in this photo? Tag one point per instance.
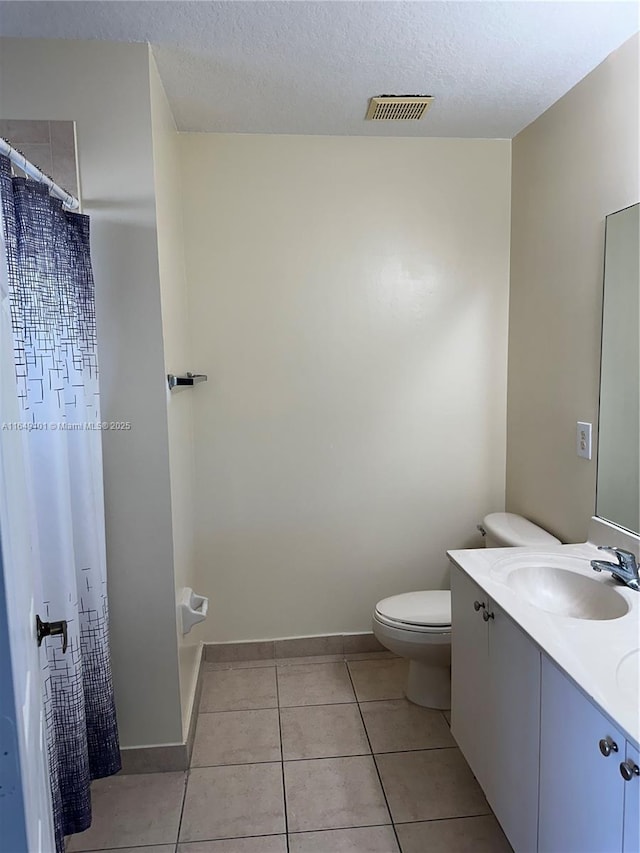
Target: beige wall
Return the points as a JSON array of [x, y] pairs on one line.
[[574, 165], [177, 359], [349, 302], [104, 88]]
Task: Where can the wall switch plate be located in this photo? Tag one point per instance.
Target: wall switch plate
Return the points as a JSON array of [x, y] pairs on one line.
[[583, 440]]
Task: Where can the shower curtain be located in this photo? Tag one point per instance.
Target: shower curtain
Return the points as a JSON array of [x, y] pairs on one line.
[[51, 300]]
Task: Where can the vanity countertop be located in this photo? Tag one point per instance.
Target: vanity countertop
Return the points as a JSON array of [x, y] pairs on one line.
[[591, 652]]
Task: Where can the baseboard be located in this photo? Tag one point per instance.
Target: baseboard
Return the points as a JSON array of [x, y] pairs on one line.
[[328, 644], [165, 758], [195, 707]]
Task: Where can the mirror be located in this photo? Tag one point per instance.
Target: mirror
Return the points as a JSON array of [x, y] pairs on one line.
[[618, 485]]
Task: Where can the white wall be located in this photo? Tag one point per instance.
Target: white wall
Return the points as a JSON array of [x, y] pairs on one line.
[[104, 88], [574, 165], [177, 359], [349, 303]]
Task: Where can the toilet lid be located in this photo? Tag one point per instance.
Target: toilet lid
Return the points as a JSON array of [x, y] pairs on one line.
[[432, 607]]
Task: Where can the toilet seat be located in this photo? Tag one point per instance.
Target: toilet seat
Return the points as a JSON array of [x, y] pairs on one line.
[[427, 612]]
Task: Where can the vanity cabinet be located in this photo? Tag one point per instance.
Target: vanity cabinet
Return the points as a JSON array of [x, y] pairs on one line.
[[581, 788], [560, 777], [495, 705], [470, 706], [631, 829], [514, 691]]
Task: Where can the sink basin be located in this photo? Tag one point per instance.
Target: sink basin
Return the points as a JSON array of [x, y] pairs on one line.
[[567, 593], [628, 674]]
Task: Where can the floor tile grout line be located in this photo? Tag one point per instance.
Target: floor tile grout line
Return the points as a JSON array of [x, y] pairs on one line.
[[340, 828], [416, 749], [375, 763], [318, 704], [271, 663], [297, 832], [116, 849], [419, 749], [389, 699], [322, 757], [237, 711], [448, 817], [236, 764], [308, 705], [283, 707], [284, 784], [184, 798], [241, 837]]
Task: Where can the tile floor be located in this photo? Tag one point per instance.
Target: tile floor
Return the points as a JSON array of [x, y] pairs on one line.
[[303, 755]]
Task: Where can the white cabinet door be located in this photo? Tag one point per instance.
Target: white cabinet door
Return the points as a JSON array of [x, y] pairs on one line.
[[581, 790], [631, 843], [470, 674], [512, 788]]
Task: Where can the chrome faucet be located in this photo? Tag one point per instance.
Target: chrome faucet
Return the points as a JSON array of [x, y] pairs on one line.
[[625, 570]]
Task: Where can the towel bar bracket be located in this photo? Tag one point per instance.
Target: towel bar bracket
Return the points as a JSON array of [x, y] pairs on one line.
[[186, 381]]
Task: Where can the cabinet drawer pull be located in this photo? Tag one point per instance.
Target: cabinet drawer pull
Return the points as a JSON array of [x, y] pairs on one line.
[[478, 605], [628, 770], [607, 746], [486, 615]]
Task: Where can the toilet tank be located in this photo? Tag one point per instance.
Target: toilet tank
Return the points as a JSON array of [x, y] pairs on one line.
[[508, 530]]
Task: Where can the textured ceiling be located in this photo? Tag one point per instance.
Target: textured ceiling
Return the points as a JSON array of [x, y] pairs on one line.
[[310, 67]]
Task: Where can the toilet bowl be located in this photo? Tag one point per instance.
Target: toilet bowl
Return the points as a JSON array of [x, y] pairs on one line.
[[417, 625]]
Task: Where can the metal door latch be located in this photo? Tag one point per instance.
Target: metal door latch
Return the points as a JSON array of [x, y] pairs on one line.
[[51, 629]]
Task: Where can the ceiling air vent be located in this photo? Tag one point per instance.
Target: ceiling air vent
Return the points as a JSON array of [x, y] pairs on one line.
[[398, 107]]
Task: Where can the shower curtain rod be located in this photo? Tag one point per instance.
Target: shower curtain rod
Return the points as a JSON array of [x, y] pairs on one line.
[[28, 168]]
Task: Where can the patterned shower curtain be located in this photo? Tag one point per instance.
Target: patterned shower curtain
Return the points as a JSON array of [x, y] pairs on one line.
[[51, 296]]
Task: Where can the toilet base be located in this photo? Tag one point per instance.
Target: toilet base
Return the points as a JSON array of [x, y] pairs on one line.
[[429, 656], [429, 686]]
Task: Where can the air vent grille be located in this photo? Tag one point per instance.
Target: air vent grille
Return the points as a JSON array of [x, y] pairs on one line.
[[398, 107]]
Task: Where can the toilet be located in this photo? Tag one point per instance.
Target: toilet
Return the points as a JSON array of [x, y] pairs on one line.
[[417, 625]]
